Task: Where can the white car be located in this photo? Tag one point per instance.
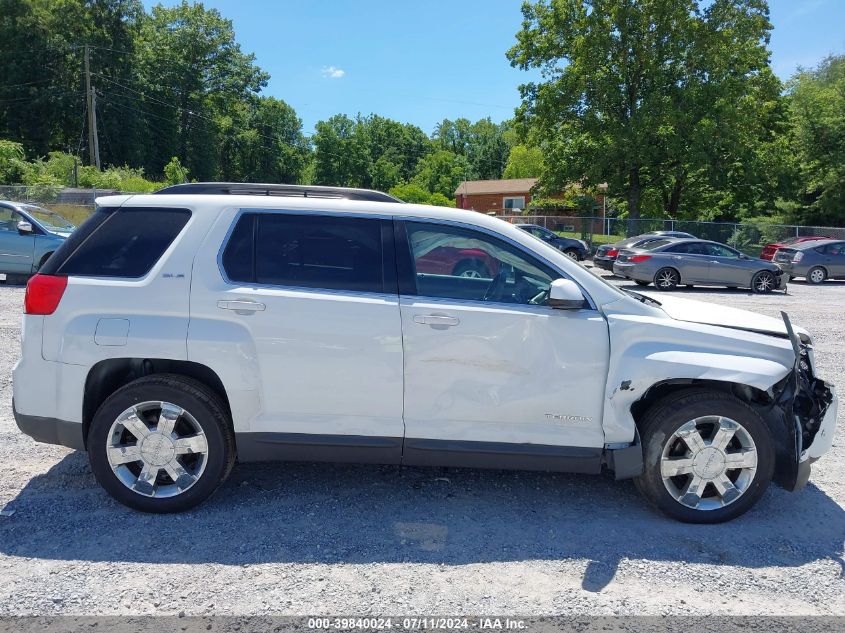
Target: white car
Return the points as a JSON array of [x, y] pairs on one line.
[[176, 333]]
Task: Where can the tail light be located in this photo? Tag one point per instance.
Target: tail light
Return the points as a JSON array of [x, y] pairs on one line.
[[798, 257], [638, 258], [612, 252], [43, 293]]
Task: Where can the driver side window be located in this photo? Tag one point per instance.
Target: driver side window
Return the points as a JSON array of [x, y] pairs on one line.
[[456, 263]]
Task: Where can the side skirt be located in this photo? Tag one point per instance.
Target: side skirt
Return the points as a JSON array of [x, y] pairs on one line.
[[364, 449], [501, 455]]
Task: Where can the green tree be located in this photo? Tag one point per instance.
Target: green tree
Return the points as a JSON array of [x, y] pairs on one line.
[[194, 73], [12, 164], [817, 106], [441, 172], [524, 162], [341, 154], [270, 147], [484, 144], [174, 172], [644, 95]]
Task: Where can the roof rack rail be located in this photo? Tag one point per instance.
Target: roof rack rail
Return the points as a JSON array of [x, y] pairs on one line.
[[254, 189]]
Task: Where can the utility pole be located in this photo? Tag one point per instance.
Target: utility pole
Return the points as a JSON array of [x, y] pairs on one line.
[[91, 99]]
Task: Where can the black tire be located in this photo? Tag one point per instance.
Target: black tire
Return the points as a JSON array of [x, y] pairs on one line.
[[641, 283], [471, 268], [819, 277], [665, 417], [667, 279], [572, 253], [689, 286], [763, 282], [194, 397]]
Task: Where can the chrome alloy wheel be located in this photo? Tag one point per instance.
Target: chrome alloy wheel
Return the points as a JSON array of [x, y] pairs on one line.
[[667, 278], [708, 463], [157, 449], [764, 282], [817, 275], [471, 273]]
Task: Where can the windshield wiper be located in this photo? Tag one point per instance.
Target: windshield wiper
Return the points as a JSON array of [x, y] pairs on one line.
[[641, 297]]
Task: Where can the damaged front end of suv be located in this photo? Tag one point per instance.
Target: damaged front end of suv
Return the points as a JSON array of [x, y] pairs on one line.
[[806, 405]]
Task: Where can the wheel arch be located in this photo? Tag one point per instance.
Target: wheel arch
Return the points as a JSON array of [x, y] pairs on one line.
[[761, 401], [107, 376]]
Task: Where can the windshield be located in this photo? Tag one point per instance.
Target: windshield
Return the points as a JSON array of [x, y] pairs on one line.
[[50, 220]]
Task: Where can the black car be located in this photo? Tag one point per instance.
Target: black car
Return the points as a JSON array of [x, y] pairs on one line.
[[576, 249], [606, 255]]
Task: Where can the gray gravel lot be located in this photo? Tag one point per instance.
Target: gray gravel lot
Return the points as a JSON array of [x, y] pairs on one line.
[[354, 540]]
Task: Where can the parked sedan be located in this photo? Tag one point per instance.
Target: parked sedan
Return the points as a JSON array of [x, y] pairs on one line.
[[670, 263], [815, 261], [576, 249], [606, 255], [769, 250], [28, 236]]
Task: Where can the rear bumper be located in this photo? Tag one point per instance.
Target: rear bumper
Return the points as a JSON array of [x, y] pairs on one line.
[[50, 430], [605, 263]]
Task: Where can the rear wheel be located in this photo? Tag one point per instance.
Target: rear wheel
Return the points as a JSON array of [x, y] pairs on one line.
[[162, 443], [667, 279], [471, 268], [709, 457], [763, 282], [816, 275]]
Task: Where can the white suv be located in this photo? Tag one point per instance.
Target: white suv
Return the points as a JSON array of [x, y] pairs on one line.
[[176, 333]]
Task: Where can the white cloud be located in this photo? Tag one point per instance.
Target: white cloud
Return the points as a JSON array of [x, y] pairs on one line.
[[333, 72]]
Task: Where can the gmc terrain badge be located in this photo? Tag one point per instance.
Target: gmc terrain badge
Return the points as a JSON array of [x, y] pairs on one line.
[[569, 418]]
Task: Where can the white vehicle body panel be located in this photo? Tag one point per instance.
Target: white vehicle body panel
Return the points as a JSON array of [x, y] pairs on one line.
[[504, 373]]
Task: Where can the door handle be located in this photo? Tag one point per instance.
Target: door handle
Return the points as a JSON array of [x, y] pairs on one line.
[[435, 319], [241, 306]]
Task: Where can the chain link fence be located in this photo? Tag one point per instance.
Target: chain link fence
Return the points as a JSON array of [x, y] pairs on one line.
[[748, 238]]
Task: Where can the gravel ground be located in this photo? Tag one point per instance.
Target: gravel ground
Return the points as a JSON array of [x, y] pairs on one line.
[[354, 540]]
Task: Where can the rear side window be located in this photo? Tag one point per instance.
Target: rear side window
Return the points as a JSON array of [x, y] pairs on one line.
[[327, 252], [124, 242]]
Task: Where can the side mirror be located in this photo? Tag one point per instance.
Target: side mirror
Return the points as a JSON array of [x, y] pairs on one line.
[[565, 295], [24, 227]]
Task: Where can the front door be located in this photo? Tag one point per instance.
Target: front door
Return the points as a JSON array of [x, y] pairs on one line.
[[316, 298], [15, 248], [726, 266], [493, 376]]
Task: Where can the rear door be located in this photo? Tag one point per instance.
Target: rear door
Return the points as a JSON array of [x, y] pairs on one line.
[[691, 261], [313, 297], [834, 255], [493, 376]]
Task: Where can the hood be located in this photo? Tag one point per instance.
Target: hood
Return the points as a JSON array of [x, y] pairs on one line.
[[712, 314]]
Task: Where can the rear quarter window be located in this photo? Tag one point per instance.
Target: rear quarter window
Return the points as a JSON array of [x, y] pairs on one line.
[[124, 242]]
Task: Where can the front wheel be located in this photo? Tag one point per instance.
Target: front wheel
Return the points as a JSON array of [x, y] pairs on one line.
[[667, 279], [763, 282], [162, 443], [709, 457], [571, 253]]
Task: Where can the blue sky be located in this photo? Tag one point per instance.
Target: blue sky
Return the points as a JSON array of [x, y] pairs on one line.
[[420, 61]]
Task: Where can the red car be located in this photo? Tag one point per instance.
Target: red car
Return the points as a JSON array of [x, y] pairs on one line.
[[769, 250], [460, 262]]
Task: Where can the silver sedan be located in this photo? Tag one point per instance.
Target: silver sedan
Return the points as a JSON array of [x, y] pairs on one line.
[[670, 263], [815, 261]]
